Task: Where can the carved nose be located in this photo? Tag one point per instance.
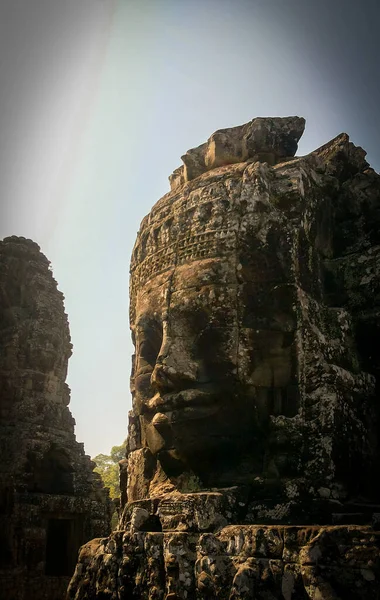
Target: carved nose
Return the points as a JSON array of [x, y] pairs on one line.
[[168, 377], [161, 379]]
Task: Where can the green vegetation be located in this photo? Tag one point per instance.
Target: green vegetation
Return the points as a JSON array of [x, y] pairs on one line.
[[191, 484], [108, 468]]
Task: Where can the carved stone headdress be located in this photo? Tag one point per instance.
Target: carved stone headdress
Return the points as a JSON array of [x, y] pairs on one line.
[[203, 219]]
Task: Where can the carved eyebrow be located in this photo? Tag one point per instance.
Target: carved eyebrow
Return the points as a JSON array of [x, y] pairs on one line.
[[146, 319], [148, 322]]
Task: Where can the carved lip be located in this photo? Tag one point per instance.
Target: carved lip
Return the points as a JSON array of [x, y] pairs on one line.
[[185, 399]]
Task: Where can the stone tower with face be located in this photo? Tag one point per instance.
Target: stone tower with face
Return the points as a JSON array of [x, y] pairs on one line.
[[247, 374]]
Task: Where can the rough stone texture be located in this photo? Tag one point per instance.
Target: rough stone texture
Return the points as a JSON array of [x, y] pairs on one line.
[[255, 317], [262, 139], [238, 563], [51, 502]]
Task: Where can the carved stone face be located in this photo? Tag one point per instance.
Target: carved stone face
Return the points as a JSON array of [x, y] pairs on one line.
[[203, 381], [243, 373], [186, 337], [215, 328]]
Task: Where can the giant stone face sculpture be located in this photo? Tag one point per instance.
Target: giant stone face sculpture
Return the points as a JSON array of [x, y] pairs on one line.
[[253, 440], [208, 370], [243, 374]]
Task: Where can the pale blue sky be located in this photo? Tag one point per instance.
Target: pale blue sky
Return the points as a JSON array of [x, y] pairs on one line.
[[99, 99]]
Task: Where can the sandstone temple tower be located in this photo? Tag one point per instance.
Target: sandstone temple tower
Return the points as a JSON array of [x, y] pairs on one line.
[[51, 502], [253, 449]]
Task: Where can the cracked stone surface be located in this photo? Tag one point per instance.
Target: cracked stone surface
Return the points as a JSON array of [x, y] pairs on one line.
[[240, 562], [51, 502], [255, 317]]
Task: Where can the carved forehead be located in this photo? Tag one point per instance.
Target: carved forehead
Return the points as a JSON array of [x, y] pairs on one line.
[[202, 280], [150, 298], [210, 272], [195, 225]]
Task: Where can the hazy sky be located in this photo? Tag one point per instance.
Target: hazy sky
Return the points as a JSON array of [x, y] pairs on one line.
[[99, 99]]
